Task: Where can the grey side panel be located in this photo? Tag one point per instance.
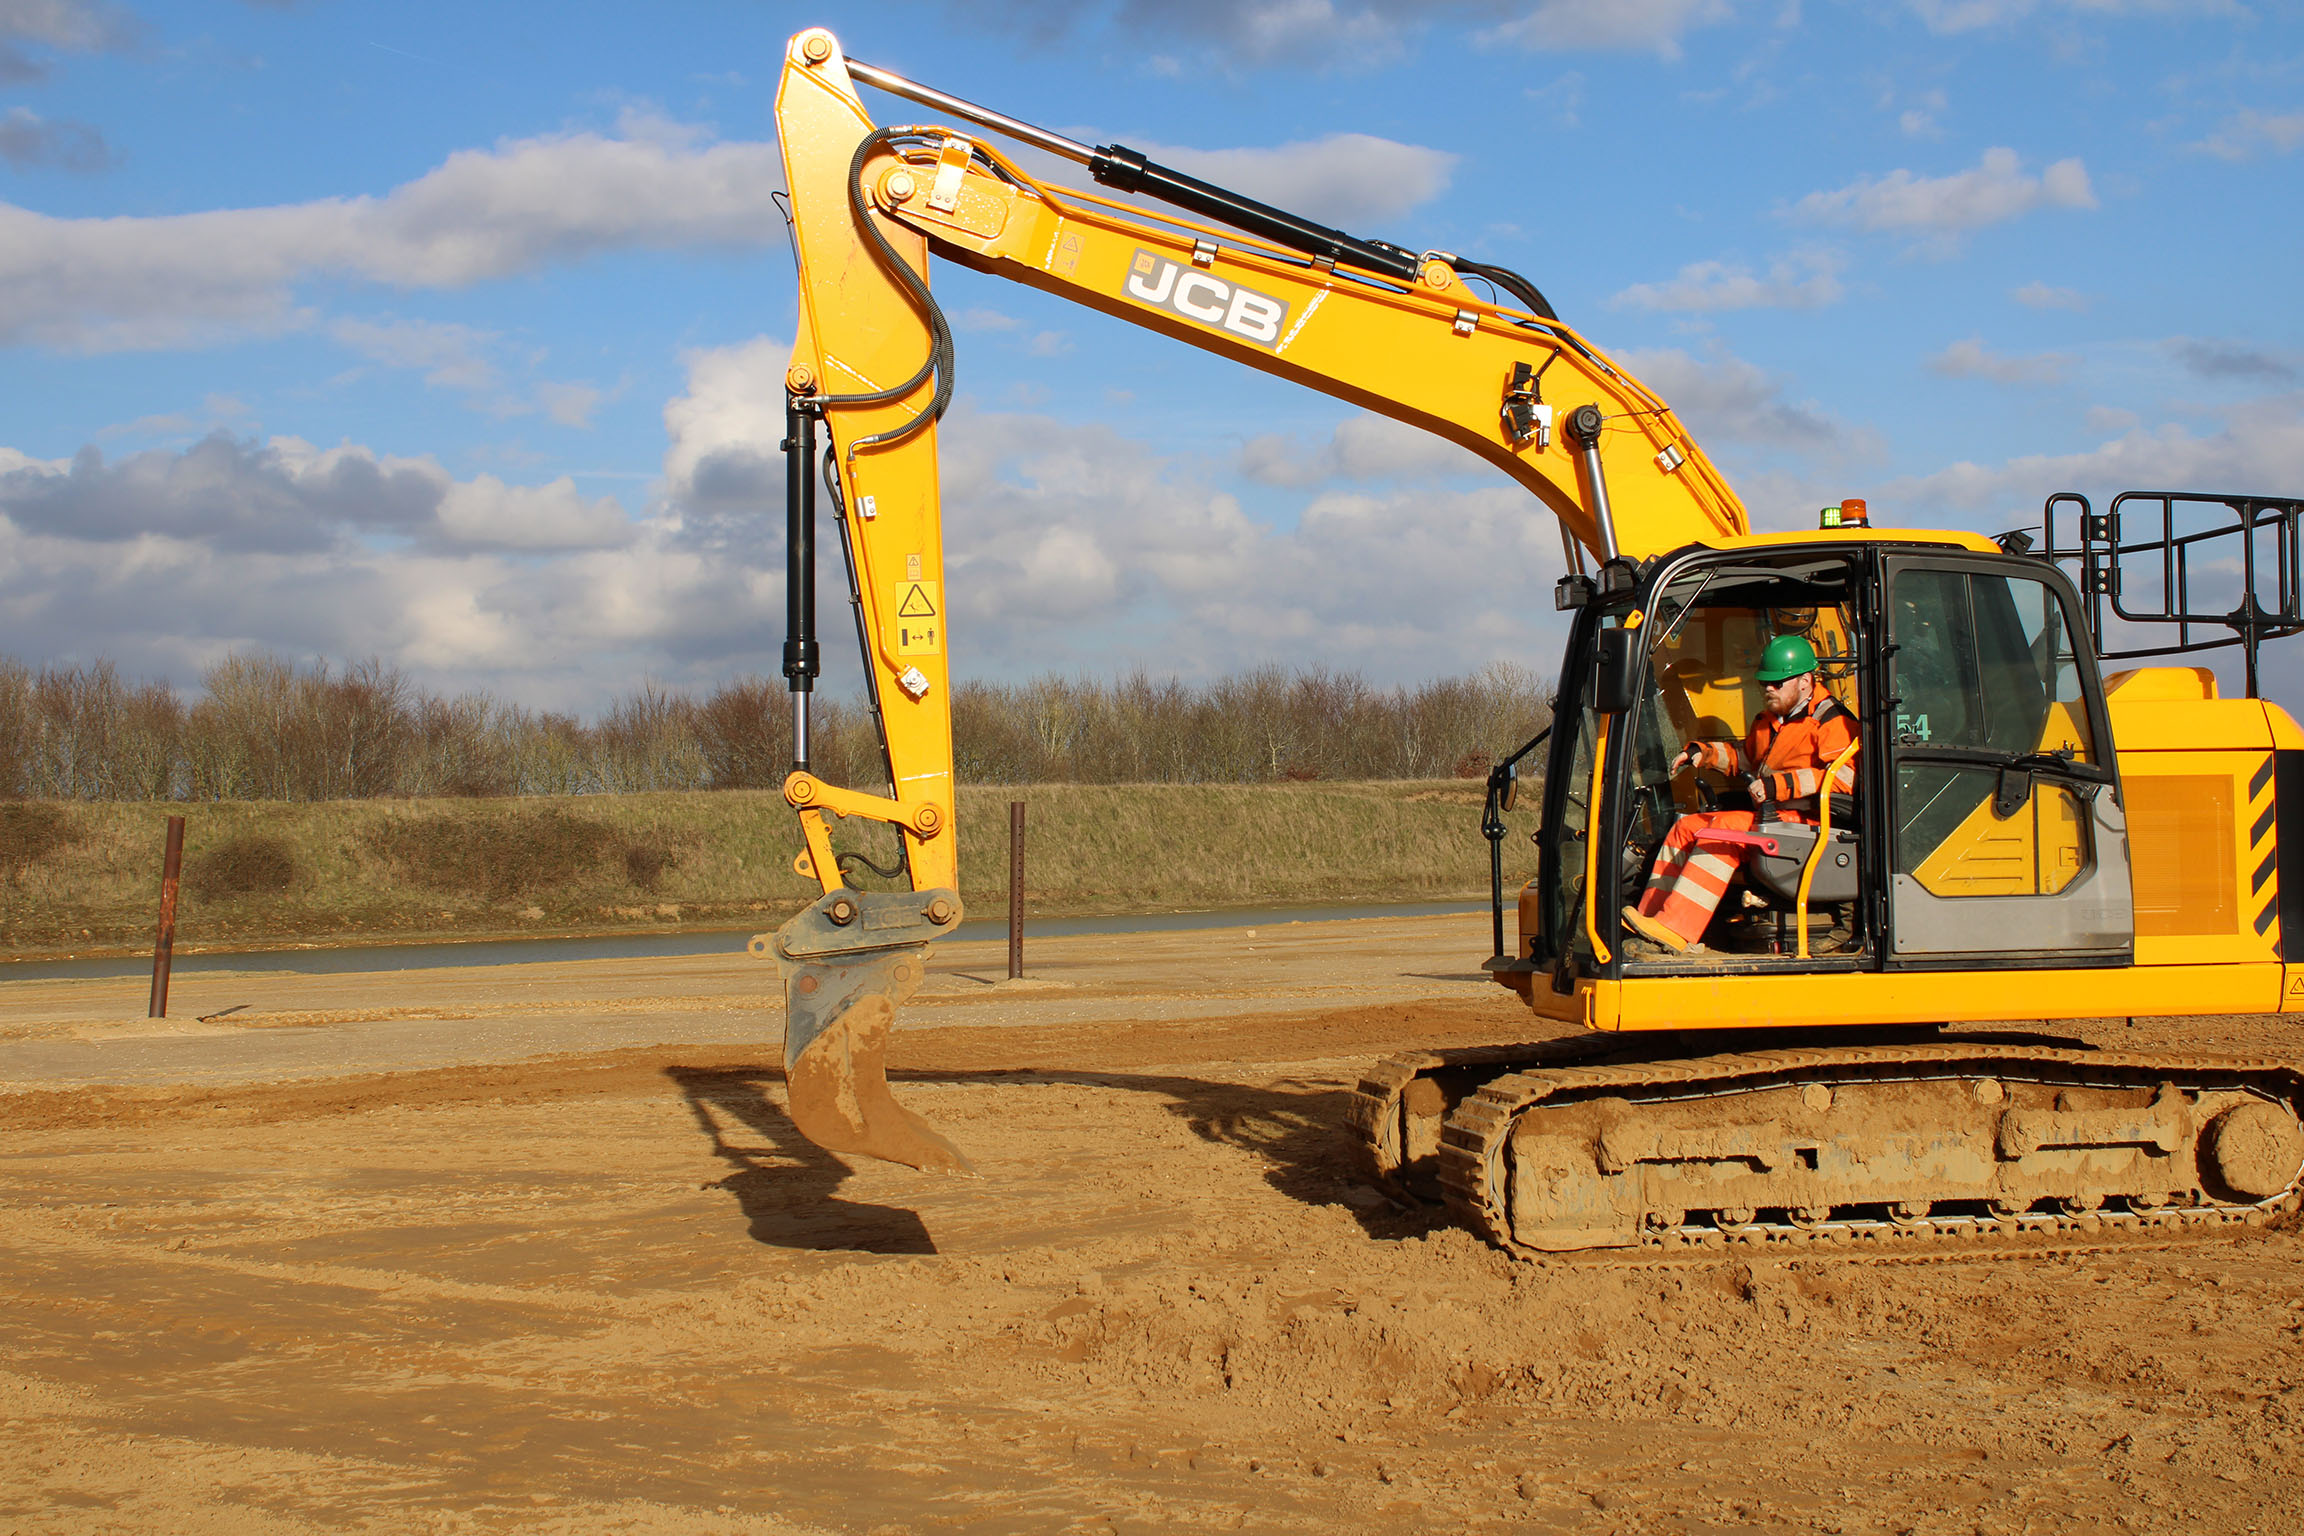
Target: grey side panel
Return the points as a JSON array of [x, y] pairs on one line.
[[2094, 914]]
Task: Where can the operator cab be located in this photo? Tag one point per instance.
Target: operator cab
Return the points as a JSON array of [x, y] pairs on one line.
[[1985, 823]]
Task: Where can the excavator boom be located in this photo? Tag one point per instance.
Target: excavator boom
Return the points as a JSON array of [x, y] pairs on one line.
[[1398, 332]]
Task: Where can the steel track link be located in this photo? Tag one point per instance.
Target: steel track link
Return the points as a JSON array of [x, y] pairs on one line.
[[2103, 1238], [1373, 1110], [1472, 1138]]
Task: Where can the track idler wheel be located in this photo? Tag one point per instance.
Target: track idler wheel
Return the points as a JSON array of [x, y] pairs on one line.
[[847, 962], [2256, 1148]]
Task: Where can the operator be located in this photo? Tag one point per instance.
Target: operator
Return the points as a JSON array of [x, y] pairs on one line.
[[1783, 761]]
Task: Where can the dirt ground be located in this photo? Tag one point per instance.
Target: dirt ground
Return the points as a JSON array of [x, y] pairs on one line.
[[534, 1249]]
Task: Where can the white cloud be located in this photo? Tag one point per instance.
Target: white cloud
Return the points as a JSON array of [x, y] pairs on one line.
[[1804, 280], [2210, 357], [1994, 191], [983, 318], [1362, 447], [29, 141], [2039, 295], [1239, 32], [1971, 359], [450, 356], [1361, 32], [1725, 399], [216, 413], [1345, 179], [568, 403], [2260, 445], [1563, 99], [459, 357], [105, 283], [15, 460], [1653, 25], [1081, 543], [1947, 16], [231, 495], [721, 432], [1078, 542], [1721, 398], [2248, 133], [485, 513], [59, 26], [1954, 16], [1919, 120], [168, 560]]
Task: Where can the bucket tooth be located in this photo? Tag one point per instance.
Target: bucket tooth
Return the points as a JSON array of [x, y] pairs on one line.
[[847, 961]]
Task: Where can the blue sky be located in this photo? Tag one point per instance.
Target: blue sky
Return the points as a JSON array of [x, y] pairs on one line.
[[452, 334]]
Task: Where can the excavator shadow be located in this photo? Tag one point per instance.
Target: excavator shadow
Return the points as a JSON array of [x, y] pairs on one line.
[[785, 1184]]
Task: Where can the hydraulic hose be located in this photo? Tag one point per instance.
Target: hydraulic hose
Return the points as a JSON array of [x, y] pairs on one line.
[[1511, 282], [939, 360]]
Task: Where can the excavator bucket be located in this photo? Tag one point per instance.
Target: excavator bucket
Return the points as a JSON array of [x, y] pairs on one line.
[[847, 961]]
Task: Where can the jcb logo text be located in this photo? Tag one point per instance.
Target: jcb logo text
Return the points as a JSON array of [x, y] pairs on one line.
[[1201, 296]]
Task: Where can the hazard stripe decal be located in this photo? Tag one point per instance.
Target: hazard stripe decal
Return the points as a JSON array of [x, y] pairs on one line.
[[2263, 777], [2264, 871], [2287, 902]]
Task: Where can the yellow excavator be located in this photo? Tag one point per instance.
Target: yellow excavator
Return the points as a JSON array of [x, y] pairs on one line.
[[2028, 839]]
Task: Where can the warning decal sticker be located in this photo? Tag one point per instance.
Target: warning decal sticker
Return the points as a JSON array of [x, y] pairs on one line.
[[919, 619]]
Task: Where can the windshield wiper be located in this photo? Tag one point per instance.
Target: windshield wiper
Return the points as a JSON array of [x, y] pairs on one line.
[[2017, 770]]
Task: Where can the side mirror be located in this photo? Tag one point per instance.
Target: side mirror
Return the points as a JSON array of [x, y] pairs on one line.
[[1613, 674], [1505, 781]]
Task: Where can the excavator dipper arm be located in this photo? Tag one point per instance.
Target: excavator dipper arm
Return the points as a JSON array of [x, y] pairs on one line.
[[1390, 330]]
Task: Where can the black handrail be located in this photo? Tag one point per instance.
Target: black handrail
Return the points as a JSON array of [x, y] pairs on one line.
[[1492, 828], [2107, 551]]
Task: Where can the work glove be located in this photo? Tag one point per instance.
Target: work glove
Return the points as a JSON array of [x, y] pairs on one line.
[[1719, 756]]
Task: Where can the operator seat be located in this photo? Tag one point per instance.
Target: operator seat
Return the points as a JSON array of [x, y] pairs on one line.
[[1776, 876]]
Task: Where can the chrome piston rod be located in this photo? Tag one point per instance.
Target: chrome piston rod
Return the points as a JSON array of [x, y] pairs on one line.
[[968, 111]]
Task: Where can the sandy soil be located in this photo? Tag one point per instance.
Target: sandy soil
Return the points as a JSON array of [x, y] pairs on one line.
[[534, 1249]]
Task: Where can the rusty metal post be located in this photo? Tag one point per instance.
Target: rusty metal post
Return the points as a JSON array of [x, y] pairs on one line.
[[164, 947], [1015, 889]]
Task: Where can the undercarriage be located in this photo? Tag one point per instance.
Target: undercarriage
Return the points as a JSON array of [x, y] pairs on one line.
[[1621, 1142]]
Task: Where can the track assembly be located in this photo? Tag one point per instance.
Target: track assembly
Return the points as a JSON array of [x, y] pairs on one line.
[[1581, 1144]]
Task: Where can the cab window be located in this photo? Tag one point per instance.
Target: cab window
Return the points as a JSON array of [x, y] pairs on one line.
[[1985, 662], [1985, 672]]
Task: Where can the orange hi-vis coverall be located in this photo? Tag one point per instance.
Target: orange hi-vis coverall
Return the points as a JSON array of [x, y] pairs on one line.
[[1789, 754]]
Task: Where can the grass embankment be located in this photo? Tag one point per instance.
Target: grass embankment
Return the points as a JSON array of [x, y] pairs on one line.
[[83, 878]]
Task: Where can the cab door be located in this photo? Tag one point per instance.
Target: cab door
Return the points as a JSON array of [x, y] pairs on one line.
[[2008, 838]]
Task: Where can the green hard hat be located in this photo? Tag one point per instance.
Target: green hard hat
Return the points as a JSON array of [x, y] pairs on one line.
[[1786, 656]]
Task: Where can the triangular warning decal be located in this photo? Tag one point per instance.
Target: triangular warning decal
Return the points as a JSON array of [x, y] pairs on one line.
[[918, 631]]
